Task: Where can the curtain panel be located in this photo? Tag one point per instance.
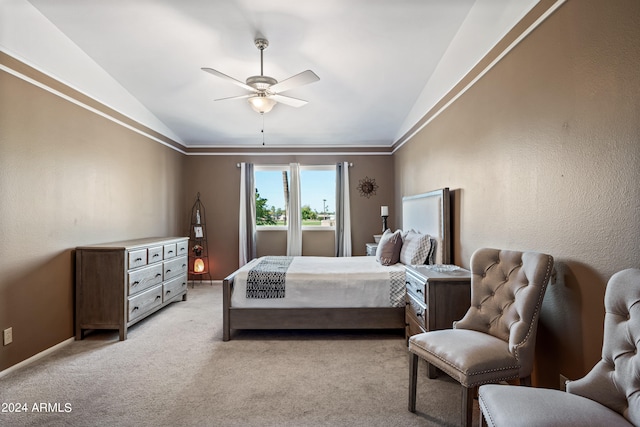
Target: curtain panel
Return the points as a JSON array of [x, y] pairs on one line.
[[294, 232], [343, 210], [247, 225]]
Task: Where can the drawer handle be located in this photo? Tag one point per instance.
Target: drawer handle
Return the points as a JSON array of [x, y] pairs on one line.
[[419, 314], [158, 296], [138, 259], [134, 308], [170, 252], [158, 275], [184, 265], [182, 249], [168, 271], [419, 290], [156, 255], [135, 283], [167, 293], [184, 283]]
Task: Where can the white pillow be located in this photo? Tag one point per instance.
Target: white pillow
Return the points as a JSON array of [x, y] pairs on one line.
[[388, 250], [415, 248]]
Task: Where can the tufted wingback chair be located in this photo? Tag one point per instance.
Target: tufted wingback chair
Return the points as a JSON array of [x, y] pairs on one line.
[[609, 395], [495, 340]]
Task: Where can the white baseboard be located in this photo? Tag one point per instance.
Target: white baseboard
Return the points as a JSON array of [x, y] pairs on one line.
[[205, 282], [36, 357]]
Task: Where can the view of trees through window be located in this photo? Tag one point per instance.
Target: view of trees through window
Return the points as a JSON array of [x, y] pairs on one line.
[[317, 191]]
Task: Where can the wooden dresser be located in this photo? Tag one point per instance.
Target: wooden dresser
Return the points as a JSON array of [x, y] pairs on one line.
[[121, 283]]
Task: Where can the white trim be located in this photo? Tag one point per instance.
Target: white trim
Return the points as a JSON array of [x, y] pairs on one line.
[[270, 168], [406, 137], [318, 228], [271, 228], [292, 153], [204, 282], [378, 144], [36, 357], [304, 228]]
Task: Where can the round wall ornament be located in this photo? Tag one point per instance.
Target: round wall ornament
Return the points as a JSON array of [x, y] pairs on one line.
[[367, 187]]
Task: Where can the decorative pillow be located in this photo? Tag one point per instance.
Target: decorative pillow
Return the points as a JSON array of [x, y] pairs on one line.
[[388, 251], [416, 248]]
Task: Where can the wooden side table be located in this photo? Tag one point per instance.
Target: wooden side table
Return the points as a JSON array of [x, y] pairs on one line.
[[437, 295], [371, 249]]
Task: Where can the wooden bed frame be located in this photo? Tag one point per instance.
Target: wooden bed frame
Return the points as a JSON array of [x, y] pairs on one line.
[[428, 213]]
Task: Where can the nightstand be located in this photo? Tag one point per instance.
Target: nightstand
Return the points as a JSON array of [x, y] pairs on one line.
[[437, 295], [371, 249]]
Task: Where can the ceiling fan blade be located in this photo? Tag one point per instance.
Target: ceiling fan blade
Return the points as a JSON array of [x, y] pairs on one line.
[[231, 79], [287, 100], [299, 79], [235, 97]]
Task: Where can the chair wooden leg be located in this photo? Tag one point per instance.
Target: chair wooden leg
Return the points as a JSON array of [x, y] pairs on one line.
[[432, 371], [467, 406], [413, 379], [526, 381], [483, 421]]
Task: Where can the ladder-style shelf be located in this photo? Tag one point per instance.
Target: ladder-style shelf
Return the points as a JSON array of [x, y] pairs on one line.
[[198, 249]]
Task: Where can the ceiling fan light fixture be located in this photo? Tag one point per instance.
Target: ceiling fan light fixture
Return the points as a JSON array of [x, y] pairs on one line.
[[261, 104]]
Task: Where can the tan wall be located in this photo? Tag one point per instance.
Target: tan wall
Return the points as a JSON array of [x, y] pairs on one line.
[[544, 154], [217, 178], [314, 242], [68, 177]]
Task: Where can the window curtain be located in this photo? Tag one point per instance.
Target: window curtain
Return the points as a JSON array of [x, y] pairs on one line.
[[294, 232], [247, 226], [343, 210]]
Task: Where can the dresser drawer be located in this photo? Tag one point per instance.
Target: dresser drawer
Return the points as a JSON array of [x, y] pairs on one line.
[[175, 267], [415, 287], [137, 258], [144, 278], [145, 301], [169, 250], [416, 309], [182, 248], [412, 327], [174, 287], [156, 254]]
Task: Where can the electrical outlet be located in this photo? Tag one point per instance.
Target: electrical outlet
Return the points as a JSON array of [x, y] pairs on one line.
[[563, 382], [8, 336]]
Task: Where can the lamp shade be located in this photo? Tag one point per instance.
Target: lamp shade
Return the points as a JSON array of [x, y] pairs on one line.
[[198, 265], [384, 210], [261, 103]]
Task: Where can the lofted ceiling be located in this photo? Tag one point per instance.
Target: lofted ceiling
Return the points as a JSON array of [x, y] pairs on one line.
[[382, 64]]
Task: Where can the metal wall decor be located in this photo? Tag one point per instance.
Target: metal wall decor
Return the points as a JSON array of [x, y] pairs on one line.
[[367, 187]]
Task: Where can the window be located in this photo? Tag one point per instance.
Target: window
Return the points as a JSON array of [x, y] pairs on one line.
[[317, 193]]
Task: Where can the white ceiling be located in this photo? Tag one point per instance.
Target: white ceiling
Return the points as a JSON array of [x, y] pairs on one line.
[[382, 64]]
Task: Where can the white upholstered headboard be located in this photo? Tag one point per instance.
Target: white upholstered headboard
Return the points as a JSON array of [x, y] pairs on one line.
[[429, 213]]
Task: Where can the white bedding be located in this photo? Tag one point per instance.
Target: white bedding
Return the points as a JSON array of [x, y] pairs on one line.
[[358, 281]]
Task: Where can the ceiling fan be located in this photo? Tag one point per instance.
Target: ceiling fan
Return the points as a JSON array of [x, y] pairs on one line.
[[265, 90]]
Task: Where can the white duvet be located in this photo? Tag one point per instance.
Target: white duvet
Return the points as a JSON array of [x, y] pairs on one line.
[[328, 282]]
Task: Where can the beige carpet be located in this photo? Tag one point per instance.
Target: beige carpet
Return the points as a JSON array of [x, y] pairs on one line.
[[174, 370]]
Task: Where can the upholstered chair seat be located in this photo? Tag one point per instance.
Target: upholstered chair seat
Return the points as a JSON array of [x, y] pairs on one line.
[[495, 340], [609, 395], [471, 357]]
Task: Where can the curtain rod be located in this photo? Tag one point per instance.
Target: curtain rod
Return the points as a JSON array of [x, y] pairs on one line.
[[350, 165]]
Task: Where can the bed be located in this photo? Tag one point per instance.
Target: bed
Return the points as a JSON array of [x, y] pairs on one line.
[[286, 300]]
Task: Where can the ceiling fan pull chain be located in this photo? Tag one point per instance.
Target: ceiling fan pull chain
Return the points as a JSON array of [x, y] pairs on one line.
[[262, 114]]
